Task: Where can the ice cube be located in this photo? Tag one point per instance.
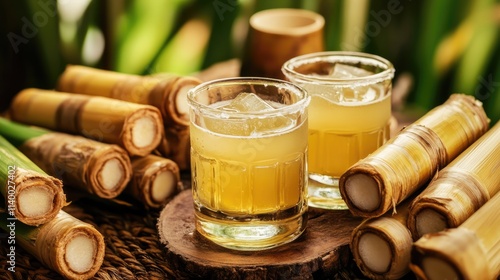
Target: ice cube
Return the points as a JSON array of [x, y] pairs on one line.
[[348, 95], [343, 71], [255, 125], [370, 94], [250, 127], [230, 126], [247, 102], [271, 125], [361, 94], [352, 94]]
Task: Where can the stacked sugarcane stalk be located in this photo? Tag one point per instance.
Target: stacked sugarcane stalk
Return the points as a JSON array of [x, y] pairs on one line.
[[470, 251], [91, 166], [434, 175], [101, 134], [455, 220], [34, 219], [381, 245], [410, 159], [24, 184], [109, 133], [167, 92], [136, 128], [459, 189]]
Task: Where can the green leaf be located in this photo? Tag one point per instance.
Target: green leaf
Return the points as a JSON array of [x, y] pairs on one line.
[[17, 133], [480, 49], [436, 25], [148, 28]]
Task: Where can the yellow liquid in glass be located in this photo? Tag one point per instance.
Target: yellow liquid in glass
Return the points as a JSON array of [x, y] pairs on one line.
[[341, 133], [249, 175]]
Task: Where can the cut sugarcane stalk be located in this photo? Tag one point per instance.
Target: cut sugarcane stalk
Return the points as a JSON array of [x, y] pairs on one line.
[[469, 251], [135, 127], [65, 244], [460, 188], [167, 92], [411, 158], [95, 167], [155, 179], [31, 196], [381, 246]]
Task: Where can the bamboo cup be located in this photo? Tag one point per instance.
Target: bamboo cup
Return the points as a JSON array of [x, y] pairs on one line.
[[135, 127], [460, 188], [277, 35], [470, 251], [393, 172]]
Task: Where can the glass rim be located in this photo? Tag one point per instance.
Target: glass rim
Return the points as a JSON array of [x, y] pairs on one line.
[[302, 102], [288, 68]]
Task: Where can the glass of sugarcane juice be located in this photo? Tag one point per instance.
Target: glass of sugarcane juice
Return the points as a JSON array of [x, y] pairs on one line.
[[249, 161], [349, 114]]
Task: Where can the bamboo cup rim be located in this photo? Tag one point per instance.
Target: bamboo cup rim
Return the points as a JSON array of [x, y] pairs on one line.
[[291, 22]]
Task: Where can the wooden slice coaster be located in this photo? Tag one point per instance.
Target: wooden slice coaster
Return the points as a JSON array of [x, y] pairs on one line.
[[322, 250]]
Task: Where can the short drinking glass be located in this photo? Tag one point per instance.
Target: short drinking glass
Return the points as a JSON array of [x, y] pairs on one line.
[[249, 161], [349, 114]]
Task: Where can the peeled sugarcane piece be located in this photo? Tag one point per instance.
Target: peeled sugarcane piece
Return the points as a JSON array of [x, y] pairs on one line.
[[167, 92], [155, 179], [381, 246], [460, 188], [31, 196], [470, 251], [135, 127], [95, 167], [410, 159], [65, 244]]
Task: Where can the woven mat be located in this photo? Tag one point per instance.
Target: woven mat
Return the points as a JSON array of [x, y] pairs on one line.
[[133, 249]]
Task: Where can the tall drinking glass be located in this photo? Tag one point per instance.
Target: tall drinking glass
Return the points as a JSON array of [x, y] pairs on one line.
[[349, 114], [249, 161]]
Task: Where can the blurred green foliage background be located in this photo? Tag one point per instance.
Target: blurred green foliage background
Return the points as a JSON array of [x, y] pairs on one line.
[[437, 47]]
